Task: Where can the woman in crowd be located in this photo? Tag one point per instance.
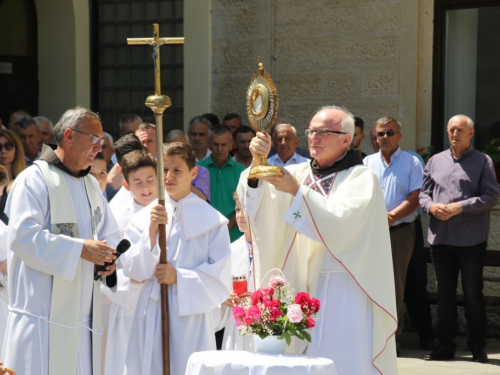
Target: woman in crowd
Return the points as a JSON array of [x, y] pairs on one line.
[[12, 158]]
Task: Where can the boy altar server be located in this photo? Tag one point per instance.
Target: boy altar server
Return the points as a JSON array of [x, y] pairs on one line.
[[139, 172], [198, 270], [241, 265]]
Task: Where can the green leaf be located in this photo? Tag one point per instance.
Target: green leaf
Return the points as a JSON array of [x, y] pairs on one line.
[[288, 339], [299, 335], [306, 335]]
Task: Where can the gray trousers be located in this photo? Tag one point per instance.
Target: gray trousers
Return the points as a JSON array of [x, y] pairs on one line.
[[402, 243]]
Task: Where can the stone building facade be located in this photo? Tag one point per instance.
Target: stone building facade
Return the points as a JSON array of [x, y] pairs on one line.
[[373, 57]]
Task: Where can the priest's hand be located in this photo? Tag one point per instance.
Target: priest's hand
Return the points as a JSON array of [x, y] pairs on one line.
[[286, 183], [260, 145], [97, 252], [158, 216], [166, 274], [109, 270]]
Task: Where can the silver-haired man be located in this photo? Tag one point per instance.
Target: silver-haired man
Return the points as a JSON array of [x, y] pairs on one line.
[[60, 229], [323, 223]]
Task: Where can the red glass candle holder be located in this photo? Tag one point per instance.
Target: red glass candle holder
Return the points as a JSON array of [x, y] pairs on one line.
[[240, 284]]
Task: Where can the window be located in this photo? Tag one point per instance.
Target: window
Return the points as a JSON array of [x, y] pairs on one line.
[[466, 75], [122, 75]]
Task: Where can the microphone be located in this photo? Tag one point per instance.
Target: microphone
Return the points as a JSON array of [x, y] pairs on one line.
[[123, 246]]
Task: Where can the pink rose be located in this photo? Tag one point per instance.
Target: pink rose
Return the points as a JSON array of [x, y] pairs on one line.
[[247, 320], [303, 300], [275, 313], [310, 322], [256, 297], [294, 313], [267, 301], [253, 312], [276, 281], [315, 305], [238, 312]]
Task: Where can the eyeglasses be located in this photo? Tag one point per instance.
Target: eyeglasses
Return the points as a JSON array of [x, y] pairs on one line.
[[9, 146], [95, 138], [321, 133], [389, 133]]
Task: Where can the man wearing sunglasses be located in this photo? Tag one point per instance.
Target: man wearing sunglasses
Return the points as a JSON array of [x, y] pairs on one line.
[[323, 223], [60, 228], [400, 175]]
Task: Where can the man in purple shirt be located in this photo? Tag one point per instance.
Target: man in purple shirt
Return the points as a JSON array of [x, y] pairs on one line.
[[458, 191]]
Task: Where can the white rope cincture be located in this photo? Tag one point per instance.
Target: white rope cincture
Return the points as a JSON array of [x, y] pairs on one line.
[[47, 319]]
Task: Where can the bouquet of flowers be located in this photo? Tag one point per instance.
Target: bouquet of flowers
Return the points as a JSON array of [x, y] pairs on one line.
[[275, 311]]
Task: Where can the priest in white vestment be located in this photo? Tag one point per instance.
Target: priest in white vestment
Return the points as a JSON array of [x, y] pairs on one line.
[[197, 272], [59, 225], [324, 224]]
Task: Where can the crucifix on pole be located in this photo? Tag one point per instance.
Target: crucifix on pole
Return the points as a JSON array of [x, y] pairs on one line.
[[158, 103]]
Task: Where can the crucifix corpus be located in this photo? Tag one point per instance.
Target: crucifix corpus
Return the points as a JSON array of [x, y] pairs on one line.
[[158, 103]]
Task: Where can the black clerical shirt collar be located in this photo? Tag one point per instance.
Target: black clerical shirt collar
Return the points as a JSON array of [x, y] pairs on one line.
[[50, 157], [350, 159]]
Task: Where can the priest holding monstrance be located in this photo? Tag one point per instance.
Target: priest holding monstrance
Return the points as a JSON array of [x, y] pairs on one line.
[[58, 228], [324, 224]]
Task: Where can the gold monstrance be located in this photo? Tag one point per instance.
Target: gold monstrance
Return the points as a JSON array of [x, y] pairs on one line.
[[262, 110], [158, 103]]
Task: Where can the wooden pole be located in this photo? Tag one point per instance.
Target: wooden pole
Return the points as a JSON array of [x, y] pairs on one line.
[[158, 103]]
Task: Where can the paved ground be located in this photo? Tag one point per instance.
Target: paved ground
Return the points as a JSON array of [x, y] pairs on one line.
[[412, 363]]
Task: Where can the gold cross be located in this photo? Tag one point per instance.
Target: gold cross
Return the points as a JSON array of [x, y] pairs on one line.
[[156, 42]]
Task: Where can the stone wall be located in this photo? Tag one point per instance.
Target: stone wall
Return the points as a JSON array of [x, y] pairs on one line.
[[325, 52], [373, 57]]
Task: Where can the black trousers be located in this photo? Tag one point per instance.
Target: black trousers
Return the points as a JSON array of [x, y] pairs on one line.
[[448, 261], [416, 296]]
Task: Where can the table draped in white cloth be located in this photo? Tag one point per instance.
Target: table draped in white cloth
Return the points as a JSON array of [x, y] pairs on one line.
[[227, 362]]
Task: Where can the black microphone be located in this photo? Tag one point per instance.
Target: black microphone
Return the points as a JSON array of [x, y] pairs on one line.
[[123, 246]]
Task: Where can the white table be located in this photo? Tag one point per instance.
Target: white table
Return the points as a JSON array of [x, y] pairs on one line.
[[225, 362]]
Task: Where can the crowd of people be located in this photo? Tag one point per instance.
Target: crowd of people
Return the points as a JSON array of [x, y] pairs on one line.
[[342, 225]]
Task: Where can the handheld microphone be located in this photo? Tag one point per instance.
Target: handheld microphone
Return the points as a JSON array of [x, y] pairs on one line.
[[123, 246]]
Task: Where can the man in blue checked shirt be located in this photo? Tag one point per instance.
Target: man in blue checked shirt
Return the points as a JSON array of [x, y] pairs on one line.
[[400, 175]]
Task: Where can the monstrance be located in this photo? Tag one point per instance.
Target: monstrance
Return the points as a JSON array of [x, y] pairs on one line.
[[262, 110]]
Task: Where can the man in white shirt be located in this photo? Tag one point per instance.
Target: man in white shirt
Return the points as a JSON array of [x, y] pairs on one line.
[[285, 142], [199, 133]]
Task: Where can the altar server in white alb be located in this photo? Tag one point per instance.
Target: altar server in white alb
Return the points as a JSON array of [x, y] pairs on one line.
[[198, 270], [139, 172], [324, 223], [60, 228], [241, 265]]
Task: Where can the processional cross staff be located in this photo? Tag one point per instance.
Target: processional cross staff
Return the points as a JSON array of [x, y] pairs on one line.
[[158, 103]]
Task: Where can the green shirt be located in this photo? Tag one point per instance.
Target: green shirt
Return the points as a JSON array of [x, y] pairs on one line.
[[223, 183]]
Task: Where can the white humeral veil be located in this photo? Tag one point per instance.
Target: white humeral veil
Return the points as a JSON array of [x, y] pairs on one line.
[[65, 303]]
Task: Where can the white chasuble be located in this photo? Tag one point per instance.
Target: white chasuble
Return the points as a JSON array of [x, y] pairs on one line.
[[332, 241], [198, 248], [50, 286]]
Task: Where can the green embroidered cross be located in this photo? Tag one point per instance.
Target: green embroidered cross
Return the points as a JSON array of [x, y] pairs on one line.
[[297, 214]]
